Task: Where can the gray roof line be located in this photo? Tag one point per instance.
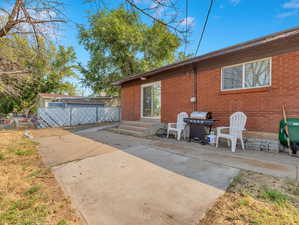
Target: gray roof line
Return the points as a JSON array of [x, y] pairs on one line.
[[233, 48]]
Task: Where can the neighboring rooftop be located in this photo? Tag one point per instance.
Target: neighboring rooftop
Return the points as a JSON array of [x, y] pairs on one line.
[[47, 95], [268, 39], [59, 96]]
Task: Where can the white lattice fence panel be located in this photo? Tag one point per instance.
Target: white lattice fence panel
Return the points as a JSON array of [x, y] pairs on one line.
[[55, 117], [108, 114], [83, 115]]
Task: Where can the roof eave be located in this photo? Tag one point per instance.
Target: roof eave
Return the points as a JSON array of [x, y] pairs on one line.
[[221, 52]]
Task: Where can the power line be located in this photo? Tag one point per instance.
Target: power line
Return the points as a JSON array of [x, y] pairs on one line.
[[186, 23], [135, 14], [205, 25], [152, 17]]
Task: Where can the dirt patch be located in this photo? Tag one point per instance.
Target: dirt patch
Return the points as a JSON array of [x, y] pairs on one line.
[[255, 198], [29, 193]]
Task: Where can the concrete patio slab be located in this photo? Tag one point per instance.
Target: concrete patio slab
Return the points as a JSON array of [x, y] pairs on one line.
[[67, 147], [120, 179], [135, 184], [242, 161], [121, 189], [116, 140], [274, 164], [209, 173]]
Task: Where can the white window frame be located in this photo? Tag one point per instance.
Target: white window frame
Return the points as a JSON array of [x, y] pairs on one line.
[[243, 75], [146, 85]]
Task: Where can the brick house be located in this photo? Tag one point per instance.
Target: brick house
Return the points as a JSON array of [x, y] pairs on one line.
[[256, 77]]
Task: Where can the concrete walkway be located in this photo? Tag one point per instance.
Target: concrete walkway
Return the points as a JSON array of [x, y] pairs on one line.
[[67, 147], [130, 181]]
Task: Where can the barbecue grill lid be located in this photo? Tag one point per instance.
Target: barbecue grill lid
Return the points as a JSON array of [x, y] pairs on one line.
[[201, 115]]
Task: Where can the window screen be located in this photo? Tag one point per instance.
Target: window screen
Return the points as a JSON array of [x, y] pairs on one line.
[[232, 77]]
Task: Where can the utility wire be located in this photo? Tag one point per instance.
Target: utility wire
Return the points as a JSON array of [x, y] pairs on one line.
[[186, 21], [152, 17], [139, 26], [205, 25]]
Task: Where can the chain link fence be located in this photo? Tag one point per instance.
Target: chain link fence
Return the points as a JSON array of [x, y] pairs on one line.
[[73, 116]]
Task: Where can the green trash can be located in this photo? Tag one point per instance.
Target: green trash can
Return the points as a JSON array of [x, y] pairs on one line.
[[293, 124]]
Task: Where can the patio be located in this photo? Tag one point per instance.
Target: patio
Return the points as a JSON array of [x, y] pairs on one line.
[[126, 176], [275, 164], [147, 180]]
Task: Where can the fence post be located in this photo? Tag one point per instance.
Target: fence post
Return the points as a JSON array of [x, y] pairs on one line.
[[119, 113], [71, 115], [97, 116]]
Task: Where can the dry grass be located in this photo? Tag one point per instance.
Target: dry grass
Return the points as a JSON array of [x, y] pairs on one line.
[[29, 194], [256, 199]]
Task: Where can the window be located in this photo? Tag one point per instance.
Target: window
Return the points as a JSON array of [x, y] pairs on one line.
[[247, 75], [232, 77]]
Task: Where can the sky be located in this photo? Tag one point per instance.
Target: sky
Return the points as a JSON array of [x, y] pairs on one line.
[[230, 22]]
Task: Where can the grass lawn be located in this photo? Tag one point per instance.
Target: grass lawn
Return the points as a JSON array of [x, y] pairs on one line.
[[256, 199], [29, 194]]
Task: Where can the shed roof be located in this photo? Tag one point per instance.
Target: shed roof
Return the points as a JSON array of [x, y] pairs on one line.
[[70, 97], [48, 95]]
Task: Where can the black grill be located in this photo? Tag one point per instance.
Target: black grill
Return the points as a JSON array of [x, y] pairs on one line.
[[199, 121], [199, 129]]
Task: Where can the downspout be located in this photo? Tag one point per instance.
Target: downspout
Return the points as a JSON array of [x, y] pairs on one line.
[[194, 87]]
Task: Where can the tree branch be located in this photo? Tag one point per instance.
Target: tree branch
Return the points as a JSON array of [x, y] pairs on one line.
[[35, 21], [13, 18], [11, 23], [4, 10], [152, 17], [14, 72]]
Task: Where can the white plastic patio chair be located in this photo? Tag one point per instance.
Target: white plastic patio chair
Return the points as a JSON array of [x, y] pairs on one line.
[[236, 127], [179, 126]]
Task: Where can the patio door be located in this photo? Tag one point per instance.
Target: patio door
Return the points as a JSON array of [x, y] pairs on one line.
[[151, 100]]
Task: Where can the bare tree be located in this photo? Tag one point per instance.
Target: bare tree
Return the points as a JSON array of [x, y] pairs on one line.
[[31, 19], [25, 17], [12, 76]]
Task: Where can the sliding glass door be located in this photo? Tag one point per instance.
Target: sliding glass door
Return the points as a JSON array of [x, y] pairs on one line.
[[151, 100]]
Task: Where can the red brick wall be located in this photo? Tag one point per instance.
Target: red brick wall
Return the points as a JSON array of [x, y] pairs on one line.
[[176, 93], [261, 105]]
